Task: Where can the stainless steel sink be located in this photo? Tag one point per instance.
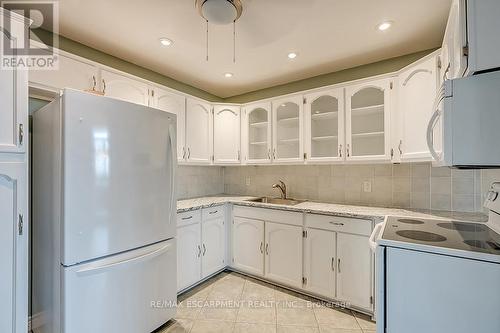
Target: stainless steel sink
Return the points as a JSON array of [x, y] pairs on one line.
[[278, 201]]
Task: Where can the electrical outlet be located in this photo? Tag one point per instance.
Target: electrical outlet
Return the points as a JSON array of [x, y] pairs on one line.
[[247, 181], [367, 186]]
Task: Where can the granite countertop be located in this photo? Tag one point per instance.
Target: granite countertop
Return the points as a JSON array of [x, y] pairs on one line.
[[375, 213]]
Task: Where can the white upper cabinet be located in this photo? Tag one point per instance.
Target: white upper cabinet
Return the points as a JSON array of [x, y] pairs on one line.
[[248, 245], [288, 130], [170, 102], [213, 246], [283, 250], [123, 87], [198, 132], [417, 85], [13, 108], [354, 270], [227, 148], [72, 73], [324, 126], [319, 262], [256, 133], [368, 114]]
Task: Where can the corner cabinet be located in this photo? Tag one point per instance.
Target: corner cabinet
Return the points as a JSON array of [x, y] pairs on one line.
[[256, 133], [288, 130], [368, 120], [227, 147], [324, 126], [199, 144], [170, 102], [417, 86]]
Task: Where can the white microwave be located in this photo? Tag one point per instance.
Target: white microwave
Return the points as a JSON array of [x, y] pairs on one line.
[[471, 42], [464, 130]]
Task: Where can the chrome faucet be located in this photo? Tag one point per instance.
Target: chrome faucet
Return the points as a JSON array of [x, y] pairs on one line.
[[282, 187]]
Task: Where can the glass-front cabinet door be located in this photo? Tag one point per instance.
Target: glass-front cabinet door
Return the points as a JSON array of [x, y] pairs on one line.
[[256, 131], [368, 121], [324, 126], [288, 130]]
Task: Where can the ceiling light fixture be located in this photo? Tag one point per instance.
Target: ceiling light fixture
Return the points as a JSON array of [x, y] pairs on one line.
[[384, 25], [292, 55], [228, 75], [166, 41]]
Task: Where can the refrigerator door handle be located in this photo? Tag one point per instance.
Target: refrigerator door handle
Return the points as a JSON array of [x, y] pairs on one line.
[[94, 269], [173, 159]]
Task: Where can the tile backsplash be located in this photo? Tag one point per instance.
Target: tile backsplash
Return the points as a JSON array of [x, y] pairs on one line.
[[414, 185], [198, 181]]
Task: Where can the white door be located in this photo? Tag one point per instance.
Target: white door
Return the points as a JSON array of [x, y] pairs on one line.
[[283, 250], [72, 73], [256, 133], [118, 188], [130, 292], [123, 87], [416, 96], [227, 148], [170, 102], [13, 248], [319, 262], [213, 246], [198, 132], [288, 130], [248, 245], [13, 108], [188, 255], [368, 114], [354, 270], [324, 126]]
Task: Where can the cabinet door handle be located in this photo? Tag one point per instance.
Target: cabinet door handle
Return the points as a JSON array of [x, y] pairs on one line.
[[348, 151], [21, 134], [338, 265], [94, 83], [104, 87], [213, 212], [333, 264], [274, 153], [269, 153], [340, 150], [239, 156], [267, 249], [183, 152], [199, 251], [187, 217], [337, 223], [399, 147], [261, 249], [204, 250], [189, 153]]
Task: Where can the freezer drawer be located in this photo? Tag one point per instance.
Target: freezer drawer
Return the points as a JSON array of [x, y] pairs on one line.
[[133, 292]]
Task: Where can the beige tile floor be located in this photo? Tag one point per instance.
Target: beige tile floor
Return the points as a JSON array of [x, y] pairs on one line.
[[231, 302]]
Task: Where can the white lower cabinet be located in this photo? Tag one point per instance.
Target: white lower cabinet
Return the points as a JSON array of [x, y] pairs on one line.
[[320, 262], [213, 246], [283, 250], [188, 255], [354, 270], [248, 245]]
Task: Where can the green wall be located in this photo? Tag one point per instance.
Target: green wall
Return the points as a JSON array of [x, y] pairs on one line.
[[377, 68]]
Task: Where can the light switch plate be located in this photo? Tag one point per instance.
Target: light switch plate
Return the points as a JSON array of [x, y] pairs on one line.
[[367, 186]]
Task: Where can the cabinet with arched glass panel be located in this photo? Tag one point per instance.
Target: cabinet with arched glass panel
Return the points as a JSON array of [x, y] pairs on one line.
[[288, 130], [368, 108], [256, 133], [324, 126]]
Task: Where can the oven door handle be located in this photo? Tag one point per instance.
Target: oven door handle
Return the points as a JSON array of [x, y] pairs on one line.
[[375, 235]]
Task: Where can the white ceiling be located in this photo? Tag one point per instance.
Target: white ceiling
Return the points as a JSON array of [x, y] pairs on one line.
[[328, 35]]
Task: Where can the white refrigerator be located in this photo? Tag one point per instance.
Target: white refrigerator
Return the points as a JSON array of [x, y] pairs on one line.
[[104, 212]]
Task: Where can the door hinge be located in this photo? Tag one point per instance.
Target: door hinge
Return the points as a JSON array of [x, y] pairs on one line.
[[465, 50], [304, 233], [213, 158], [20, 224], [21, 134], [152, 93], [371, 299], [392, 153], [305, 156], [391, 85], [439, 63], [304, 100], [304, 281]]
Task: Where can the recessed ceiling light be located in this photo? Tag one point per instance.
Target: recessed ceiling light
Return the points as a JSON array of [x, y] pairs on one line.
[[228, 75], [165, 41], [384, 25], [292, 55]]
